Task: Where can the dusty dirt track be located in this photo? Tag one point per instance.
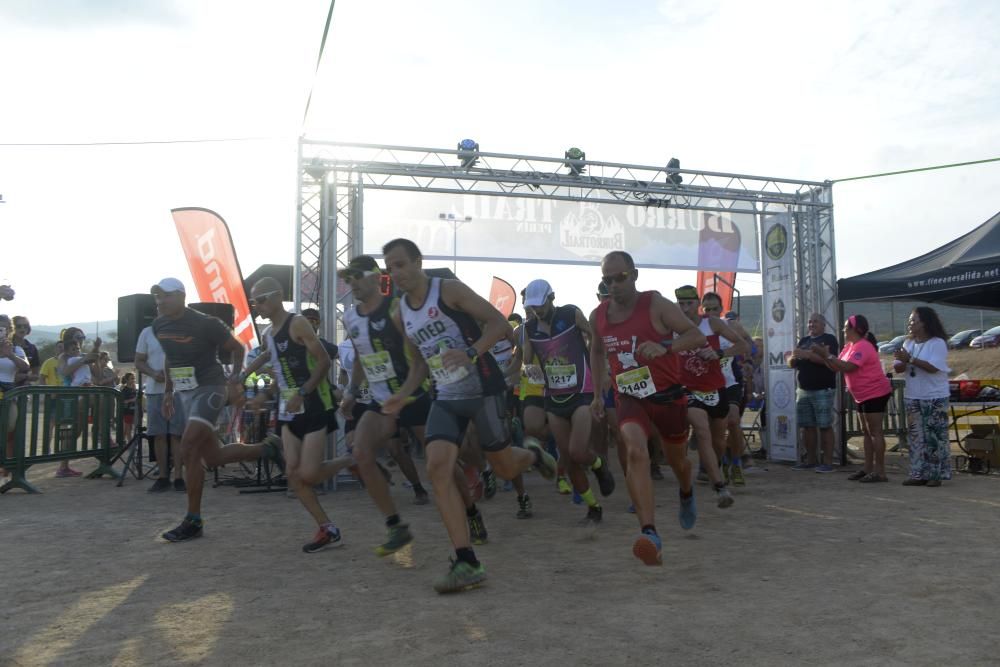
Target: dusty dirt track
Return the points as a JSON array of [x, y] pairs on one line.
[[805, 569]]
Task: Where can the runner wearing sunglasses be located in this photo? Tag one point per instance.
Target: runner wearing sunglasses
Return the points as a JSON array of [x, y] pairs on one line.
[[638, 334]]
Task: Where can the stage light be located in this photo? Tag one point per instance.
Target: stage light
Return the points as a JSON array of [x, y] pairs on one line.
[[673, 164], [468, 153], [576, 161]]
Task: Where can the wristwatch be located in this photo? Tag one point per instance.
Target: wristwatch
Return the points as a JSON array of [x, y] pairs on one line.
[[302, 391], [471, 352]]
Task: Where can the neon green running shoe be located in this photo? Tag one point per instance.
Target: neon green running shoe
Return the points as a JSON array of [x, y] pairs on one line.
[[564, 487], [461, 576]]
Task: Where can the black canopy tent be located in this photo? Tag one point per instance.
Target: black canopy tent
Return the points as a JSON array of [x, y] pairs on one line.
[[964, 272]]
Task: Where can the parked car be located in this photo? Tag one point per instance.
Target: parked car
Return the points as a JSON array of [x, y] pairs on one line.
[[989, 338], [963, 338], [892, 346]]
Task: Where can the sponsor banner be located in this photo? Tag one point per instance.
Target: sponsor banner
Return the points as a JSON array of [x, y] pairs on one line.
[[214, 267], [720, 283], [502, 296], [513, 229], [780, 332]]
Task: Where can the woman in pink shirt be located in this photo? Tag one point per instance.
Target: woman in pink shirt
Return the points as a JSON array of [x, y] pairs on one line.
[[870, 388]]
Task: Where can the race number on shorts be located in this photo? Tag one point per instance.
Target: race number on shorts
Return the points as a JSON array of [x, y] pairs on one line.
[[183, 378], [638, 382], [709, 398]]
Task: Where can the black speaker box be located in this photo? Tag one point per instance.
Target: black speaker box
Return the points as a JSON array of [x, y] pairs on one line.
[[224, 311], [135, 313]]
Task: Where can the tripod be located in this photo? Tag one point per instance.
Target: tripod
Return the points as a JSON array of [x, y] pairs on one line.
[[133, 463]]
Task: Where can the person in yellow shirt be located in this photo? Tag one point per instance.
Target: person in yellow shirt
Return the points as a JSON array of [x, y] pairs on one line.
[[49, 376]]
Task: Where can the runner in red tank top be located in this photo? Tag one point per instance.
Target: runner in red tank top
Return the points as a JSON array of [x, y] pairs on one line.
[[636, 334]]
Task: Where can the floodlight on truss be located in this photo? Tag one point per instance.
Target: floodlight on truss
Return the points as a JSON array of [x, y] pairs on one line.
[[576, 161], [468, 153]]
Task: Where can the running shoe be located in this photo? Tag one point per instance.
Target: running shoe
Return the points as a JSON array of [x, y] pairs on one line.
[[594, 516], [804, 466], [179, 485], [326, 536], [398, 537], [648, 548], [544, 463], [477, 528], [856, 475], [564, 486], [272, 451], [188, 530], [67, 472], [524, 507], [605, 480], [724, 497], [655, 472], [160, 485], [461, 576], [736, 475], [489, 484], [688, 513], [421, 498], [824, 468]]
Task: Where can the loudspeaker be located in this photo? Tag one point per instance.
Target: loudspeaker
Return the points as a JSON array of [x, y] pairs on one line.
[[135, 313], [224, 311]]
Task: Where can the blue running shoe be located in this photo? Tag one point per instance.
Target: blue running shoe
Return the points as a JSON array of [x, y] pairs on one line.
[[576, 498], [688, 513], [647, 548]]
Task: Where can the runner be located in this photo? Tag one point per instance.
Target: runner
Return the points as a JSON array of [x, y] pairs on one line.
[[708, 406], [191, 344], [441, 320], [300, 364], [738, 392], [379, 361], [637, 333], [560, 336]]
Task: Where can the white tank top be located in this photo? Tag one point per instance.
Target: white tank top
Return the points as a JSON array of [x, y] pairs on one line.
[[433, 330], [725, 362]]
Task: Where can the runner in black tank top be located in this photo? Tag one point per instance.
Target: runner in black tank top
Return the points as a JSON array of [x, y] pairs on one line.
[[441, 327], [301, 365]]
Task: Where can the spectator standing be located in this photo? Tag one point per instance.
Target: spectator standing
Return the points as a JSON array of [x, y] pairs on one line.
[[12, 361], [49, 376], [923, 362], [165, 433], [106, 375], [859, 362], [22, 329], [129, 396], [814, 398]]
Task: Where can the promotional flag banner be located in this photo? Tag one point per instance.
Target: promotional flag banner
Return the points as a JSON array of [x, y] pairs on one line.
[[502, 296], [720, 283], [216, 272]]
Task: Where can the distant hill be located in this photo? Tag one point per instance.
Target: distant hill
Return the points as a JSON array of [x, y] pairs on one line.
[[50, 332], [887, 318]]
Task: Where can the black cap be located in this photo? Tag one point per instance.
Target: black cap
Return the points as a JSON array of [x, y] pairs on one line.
[[602, 289], [359, 266]]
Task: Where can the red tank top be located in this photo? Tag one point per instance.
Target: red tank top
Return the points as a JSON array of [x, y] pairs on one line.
[[698, 374], [636, 376]]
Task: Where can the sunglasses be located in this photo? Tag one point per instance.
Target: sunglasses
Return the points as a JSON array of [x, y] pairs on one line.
[[258, 300], [709, 309], [356, 274], [616, 278]]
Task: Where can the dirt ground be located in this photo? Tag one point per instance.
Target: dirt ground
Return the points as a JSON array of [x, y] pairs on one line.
[[805, 569]]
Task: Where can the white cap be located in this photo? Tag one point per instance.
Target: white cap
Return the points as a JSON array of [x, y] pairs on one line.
[[168, 285], [537, 293]]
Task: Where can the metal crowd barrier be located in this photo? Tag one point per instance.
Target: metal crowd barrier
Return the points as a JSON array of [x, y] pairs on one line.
[[59, 424]]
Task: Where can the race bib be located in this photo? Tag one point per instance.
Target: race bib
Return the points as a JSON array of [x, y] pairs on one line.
[[441, 375], [561, 376], [378, 366], [183, 378], [638, 382], [709, 398], [283, 413], [534, 374], [364, 394]]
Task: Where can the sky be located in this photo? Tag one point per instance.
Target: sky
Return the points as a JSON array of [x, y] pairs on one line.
[[803, 90]]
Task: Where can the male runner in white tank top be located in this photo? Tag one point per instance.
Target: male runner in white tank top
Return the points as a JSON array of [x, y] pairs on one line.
[[441, 319]]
